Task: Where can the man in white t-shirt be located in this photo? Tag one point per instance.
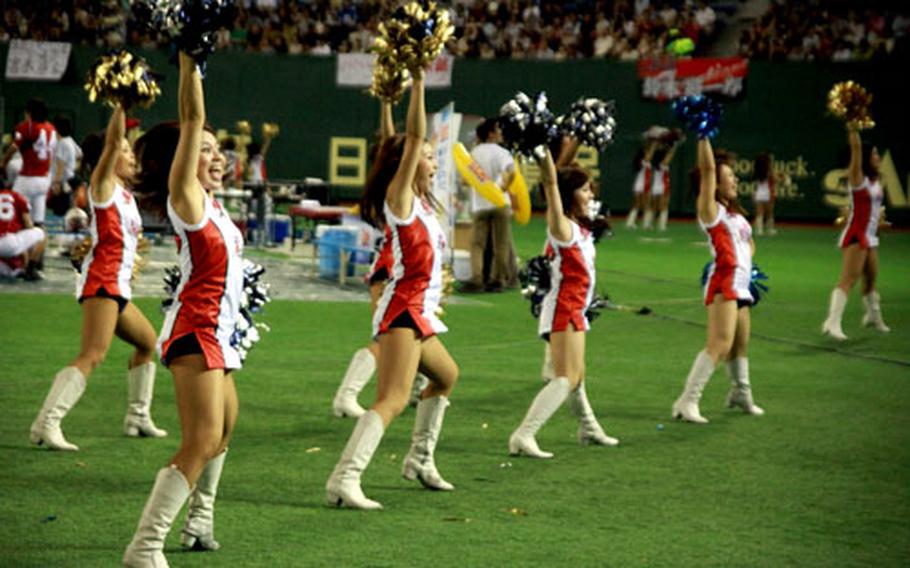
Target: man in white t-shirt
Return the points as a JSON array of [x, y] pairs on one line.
[[490, 221], [67, 156]]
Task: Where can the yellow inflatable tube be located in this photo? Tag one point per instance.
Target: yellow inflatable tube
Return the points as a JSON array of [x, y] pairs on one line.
[[474, 176], [521, 198]]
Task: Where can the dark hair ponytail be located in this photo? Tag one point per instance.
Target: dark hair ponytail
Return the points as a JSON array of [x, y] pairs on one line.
[[155, 153], [384, 168]]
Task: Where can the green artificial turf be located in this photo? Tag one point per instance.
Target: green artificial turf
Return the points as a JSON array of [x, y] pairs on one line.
[[823, 479]]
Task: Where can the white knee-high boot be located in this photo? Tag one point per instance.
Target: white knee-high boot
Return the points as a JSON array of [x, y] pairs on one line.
[[547, 372], [662, 220], [686, 406], [545, 404], [632, 219], [741, 392], [759, 225], [648, 220], [140, 386], [419, 464], [421, 382], [343, 487], [832, 325], [168, 495], [589, 429], [66, 390], [360, 369], [873, 315], [199, 529]]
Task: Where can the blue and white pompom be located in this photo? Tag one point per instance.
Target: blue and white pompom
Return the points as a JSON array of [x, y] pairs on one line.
[[191, 25], [757, 279], [699, 114], [535, 282], [592, 121], [527, 125], [255, 295]]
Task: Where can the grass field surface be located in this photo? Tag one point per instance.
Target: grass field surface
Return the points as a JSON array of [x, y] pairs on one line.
[[823, 479]]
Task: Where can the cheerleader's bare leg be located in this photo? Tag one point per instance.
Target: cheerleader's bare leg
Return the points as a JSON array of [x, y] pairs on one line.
[[207, 405], [400, 355], [442, 371], [871, 299], [99, 320], [854, 259], [722, 321], [740, 394], [135, 329]]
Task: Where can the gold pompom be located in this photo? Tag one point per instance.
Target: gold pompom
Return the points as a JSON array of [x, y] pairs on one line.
[[79, 251], [414, 36], [389, 80], [243, 127], [270, 129], [849, 102], [120, 78]]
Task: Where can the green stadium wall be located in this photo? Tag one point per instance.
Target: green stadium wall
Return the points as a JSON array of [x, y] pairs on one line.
[[782, 110]]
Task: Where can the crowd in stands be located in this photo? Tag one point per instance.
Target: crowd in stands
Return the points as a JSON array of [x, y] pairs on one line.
[[827, 31], [543, 29], [539, 29]]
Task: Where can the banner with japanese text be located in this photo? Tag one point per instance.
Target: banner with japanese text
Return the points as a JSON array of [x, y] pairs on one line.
[[668, 78]]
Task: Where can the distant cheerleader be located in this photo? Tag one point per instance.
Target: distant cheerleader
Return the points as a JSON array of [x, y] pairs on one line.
[[727, 297], [563, 322], [859, 239]]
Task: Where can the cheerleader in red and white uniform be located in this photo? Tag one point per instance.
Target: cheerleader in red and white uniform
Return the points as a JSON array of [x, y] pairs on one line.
[[859, 239], [642, 186], [727, 296], [562, 319], [104, 293], [405, 320], [660, 184], [181, 167], [765, 194], [363, 362]]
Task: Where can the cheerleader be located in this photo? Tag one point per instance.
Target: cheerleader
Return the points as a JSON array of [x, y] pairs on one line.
[[660, 184], [765, 194], [727, 297], [859, 239], [562, 320], [642, 185], [104, 292], [397, 196], [181, 167], [363, 362]]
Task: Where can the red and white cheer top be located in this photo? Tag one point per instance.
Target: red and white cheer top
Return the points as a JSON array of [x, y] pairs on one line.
[[415, 279], [865, 213], [114, 230], [572, 278], [207, 299], [382, 264], [661, 182], [643, 178], [730, 239]]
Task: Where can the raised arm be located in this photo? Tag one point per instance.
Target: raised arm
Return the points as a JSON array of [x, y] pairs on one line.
[[186, 193], [102, 180], [386, 122], [705, 205], [668, 157], [557, 221], [855, 169], [568, 151], [650, 148], [400, 193]]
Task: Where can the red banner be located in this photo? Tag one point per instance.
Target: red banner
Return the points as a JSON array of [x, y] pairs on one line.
[[668, 78]]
